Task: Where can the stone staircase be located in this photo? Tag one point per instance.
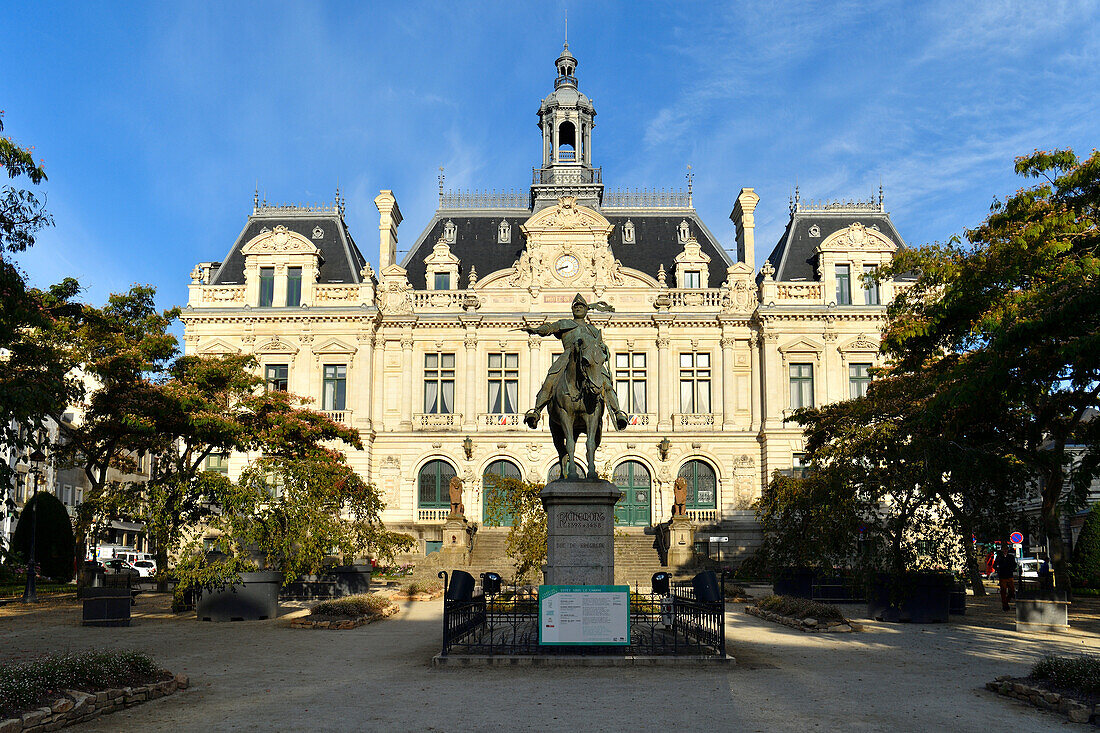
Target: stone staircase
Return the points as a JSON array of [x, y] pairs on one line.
[[636, 559]]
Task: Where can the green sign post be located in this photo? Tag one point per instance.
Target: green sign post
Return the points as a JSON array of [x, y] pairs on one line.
[[584, 615]]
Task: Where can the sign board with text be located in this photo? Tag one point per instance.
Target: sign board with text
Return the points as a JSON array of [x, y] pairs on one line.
[[595, 615]]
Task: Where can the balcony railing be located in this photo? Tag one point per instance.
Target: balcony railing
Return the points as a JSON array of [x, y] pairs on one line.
[[540, 176], [799, 291], [496, 421], [432, 515], [437, 421], [223, 294], [340, 416], [567, 155], [702, 515], [335, 293], [622, 199], [708, 298], [642, 420], [485, 200], [696, 421], [438, 298]]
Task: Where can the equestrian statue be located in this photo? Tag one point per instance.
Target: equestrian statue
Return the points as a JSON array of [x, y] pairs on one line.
[[577, 387]]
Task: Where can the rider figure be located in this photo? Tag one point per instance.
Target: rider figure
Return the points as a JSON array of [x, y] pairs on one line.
[[569, 330]]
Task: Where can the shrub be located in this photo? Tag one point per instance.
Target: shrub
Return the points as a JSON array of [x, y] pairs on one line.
[[800, 608], [1086, 555], [360, 605], [53, 550], [413, 589], [24, 685], [1080, 674]]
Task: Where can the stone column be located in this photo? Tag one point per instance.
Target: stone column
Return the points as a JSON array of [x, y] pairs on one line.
[[279, 295], [755, 380], [745, 221], [470, 381], [681, 542], [729, 381], [364, 381], [666, 379], [534, 345], [406, 381]]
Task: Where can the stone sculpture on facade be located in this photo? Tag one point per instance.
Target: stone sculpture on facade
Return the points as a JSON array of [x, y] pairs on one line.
[[679, 497], [577, 387], [455, 491]]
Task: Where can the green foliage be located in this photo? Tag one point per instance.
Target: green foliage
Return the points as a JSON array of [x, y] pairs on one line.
[[1079, 674], [1086, 555], [808, 522], [24, 685], [800, 608], [351, 606], [526, 543], [1014, 310], [54, 534], [418, 587]]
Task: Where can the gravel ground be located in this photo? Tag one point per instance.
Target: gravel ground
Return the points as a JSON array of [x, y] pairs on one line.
[[263, 675]]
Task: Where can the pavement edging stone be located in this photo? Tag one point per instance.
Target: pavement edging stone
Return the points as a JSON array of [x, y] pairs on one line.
[[806, 624], [79, 707], [1074, 710], [345, 623]]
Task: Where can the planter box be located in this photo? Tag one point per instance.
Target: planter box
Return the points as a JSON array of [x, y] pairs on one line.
[[335, 582], [920, 598], [106, 607], [1042, 612], [796, 582], [254, 598], [958, 601]]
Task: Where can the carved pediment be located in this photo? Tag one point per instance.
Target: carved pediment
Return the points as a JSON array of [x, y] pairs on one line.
[[218, 346], [802, 346], [277, 346], [279, 240], [861, 343], [334, 346], [857, 237]]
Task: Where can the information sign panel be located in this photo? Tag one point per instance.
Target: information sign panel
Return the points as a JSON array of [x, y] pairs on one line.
[[593, 615]]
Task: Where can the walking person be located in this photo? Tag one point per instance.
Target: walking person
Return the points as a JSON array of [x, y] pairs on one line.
[[1006, 574]]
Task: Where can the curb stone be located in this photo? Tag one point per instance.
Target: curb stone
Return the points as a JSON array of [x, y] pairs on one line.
[[808, 625], [1040, 697]]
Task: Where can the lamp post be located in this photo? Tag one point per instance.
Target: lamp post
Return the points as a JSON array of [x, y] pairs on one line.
[[30, 594]]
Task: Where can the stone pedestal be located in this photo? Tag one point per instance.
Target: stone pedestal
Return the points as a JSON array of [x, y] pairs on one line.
[[580, 525], [681, 542], [456, 541]]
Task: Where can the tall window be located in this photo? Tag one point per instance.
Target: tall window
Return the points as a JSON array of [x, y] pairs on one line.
[[694, 382], [439, 383], [276, 377], [692, 279], [442, 281], [503, 383], [218, 463], [702, 484], [870, 287], [859, 378], [293, 286], [630, 381], [434, 481], [498, 469], [843, 285], [802, 385], [800, 466], [333, 396], [267, 286]]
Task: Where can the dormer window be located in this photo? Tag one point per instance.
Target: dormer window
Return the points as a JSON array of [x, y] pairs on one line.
[[504, 232], [318, 233], [628, 232], [683, 232], [267, 286], [442, 281], [450, 232], [692, 279]]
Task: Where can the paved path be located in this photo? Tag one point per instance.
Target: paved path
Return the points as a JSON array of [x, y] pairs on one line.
[[264, 676]]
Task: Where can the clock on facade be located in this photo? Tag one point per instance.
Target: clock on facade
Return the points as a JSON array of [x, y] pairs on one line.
[[567, 266]]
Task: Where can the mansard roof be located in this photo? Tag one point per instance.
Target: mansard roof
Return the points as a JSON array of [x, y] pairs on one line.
[[341, 259], [793, 257], [655, 237]]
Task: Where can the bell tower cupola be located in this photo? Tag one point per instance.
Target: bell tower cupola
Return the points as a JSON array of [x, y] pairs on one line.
[[566, 119]]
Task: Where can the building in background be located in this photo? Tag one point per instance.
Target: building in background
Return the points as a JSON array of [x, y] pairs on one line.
[[709, 353]]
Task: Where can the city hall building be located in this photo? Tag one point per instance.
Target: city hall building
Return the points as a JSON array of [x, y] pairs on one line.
[[422, 355]]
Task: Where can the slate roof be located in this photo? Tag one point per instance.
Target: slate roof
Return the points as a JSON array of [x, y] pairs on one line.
[[476, 242], [341, 259], [793, 257]]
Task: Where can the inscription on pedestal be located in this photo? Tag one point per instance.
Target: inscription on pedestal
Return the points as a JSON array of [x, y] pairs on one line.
[[588, 520]]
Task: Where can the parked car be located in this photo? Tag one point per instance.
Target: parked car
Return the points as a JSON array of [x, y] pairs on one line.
[[118, 566], [1027, 569], [145, 568]]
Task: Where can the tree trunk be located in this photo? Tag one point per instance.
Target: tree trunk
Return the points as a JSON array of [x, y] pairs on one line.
[[162, 567], [1052, 491], [972, 567]]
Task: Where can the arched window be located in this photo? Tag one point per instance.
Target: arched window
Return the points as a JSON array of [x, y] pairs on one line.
[[632, 478], [702, 485], [555, 472], [503, 469], [567, 141], [434, 480]]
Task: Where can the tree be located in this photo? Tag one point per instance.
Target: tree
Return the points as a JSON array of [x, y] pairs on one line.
[[810, 521], [53, 550], [526, 544], [1086, 555], [35, 325], [1009, 322]]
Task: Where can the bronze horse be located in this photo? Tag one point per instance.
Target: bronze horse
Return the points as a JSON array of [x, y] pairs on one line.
[[577, 405]]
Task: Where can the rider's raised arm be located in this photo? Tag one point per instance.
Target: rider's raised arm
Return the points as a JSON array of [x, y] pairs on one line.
[[557, 327]]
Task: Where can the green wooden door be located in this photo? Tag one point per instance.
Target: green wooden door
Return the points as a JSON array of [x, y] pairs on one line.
[[633, 509], [503, 469]]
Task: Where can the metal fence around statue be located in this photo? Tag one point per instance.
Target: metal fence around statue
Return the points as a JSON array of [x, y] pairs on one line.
[[506, 623]]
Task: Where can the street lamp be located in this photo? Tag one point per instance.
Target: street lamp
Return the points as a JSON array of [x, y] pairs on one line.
[[30, 594]]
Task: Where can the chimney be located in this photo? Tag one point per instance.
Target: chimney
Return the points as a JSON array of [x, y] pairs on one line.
[[745, 221], [389, 216]]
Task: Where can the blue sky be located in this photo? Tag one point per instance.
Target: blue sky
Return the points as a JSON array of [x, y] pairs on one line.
[[156, 120]]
